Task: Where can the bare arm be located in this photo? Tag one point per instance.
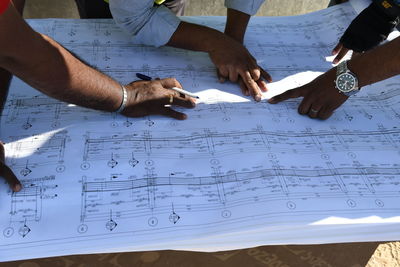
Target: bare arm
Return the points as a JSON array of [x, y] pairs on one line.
[[51, 68], [378, 64], [48, 67], [232, 59], [236, 24], [321, 94], [5, 76], [159, 26]]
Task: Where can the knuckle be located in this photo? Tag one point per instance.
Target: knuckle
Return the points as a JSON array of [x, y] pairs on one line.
[[223, 72], [256, 71], [248, 80]]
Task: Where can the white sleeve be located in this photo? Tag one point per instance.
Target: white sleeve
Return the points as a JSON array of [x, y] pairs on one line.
[[249, 7], [146, 23]]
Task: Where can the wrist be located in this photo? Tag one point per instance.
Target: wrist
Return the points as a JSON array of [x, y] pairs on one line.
[[236, 24], [124, 100], [219, 42], [237, 36]]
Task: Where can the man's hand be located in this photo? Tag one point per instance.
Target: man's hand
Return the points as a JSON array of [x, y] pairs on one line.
[[234, 62], [366, 31], [231, 58], [321, 97], [7, 173], [154, 98]]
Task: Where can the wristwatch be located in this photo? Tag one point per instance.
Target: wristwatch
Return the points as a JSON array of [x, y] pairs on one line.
[[346, 81]]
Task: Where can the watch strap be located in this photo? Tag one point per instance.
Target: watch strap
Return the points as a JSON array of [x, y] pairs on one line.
[[341, 68]]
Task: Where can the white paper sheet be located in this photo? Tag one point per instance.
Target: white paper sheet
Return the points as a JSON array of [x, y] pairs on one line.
[[235, 174]]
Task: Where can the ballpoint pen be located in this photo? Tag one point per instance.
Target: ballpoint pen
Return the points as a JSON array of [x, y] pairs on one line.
[[179, 90], [143, 77]]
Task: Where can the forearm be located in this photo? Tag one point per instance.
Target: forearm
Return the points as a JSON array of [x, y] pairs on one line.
[[5, 76], [198, 38], [378, 64], [48, 67], [55, 72], [236, 24]]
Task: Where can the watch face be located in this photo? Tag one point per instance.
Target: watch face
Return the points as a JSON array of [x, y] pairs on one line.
[[345, 82]]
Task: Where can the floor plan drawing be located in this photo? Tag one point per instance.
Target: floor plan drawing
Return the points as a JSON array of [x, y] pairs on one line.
[[26, 205], [30, 113], [235, 174], [50, 152]]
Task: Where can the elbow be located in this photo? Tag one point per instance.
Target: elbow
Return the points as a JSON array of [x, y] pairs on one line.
[[128, 21], [127, 24]]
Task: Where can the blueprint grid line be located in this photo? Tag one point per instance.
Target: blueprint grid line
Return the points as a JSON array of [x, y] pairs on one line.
[[234, 174]]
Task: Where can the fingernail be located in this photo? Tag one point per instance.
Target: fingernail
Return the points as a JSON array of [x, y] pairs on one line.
[[257, 98], [221, 80], [17, 188], [271, 100], [265, 86]]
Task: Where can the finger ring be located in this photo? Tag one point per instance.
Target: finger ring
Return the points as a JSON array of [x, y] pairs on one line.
[[171, 99], [314, 111]]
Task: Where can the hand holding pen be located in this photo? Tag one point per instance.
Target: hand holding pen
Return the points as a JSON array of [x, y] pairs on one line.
[[156, 98], [177, 89]]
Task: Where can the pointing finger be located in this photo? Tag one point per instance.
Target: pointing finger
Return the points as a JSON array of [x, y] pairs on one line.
[[7, 173], [10, 177], [293, 93]]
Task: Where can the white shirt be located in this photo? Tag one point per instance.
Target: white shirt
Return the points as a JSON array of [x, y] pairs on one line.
[[154, 25]]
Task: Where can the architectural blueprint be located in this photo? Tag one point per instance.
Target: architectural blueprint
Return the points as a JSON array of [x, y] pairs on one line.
[[235, 174]]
